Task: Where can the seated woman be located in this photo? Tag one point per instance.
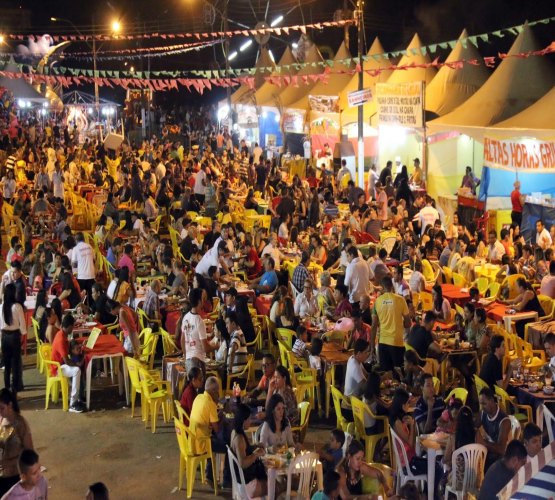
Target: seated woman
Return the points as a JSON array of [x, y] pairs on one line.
[[372, 398], [526, 300], [324, 296], [248, 455], [286, 317], [477, 331], [404, 426], [195, 380], [250, 201], [319, 254], [276, 430], [352, 469], [70, 288], [464, 434], [441, 306], [281, 384]]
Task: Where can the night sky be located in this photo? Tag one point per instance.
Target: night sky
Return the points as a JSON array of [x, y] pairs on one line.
[[394, 21]]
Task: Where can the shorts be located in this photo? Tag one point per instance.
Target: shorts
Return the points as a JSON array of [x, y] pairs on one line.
[[390, 356]]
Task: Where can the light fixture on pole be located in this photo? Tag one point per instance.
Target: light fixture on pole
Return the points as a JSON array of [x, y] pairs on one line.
[[245, 46], [232, 56], [276, 21]]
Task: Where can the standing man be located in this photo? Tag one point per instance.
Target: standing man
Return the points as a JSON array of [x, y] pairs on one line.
[[357, 275], [472, 182], [199, 188], [543, 238], [517, 201], [391, 316], [82, 261]]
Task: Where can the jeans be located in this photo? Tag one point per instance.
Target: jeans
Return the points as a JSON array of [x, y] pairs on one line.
[[74, 373], [11, 352], [87, 286]]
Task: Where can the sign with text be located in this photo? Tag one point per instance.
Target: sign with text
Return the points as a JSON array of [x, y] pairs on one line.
[[359, 97], [400, 104], [523, 154], [293, 121]]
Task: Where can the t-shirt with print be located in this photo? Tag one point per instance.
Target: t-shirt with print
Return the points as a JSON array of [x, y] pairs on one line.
[[38, 492], [194, 333], [391, 309]]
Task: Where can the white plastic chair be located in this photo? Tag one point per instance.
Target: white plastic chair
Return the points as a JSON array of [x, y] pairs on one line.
[[515, 428], [305, 467], [474, 456], [239, 488], [549, 423], [404, 474]]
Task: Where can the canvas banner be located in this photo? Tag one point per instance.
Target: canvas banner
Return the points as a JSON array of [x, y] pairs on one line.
[[525, 154], [400, 104]]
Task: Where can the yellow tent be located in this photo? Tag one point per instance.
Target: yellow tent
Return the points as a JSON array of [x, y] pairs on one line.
[[244, 94]]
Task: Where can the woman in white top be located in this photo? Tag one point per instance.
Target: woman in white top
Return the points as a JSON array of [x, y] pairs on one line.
[[9, 186], [283, 232], [12, 325], [441, 307], [276, 431]]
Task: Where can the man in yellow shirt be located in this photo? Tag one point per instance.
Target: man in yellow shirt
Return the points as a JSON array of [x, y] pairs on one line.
[[206, 424], [391, 315], [465, 266]]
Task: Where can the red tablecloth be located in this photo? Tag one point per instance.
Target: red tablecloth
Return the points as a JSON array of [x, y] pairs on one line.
[[105, 344], [453, 293], [496, 311], [263, 305]]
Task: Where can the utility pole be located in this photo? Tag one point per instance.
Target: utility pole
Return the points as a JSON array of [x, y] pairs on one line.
[[226, 45], [360, 31]]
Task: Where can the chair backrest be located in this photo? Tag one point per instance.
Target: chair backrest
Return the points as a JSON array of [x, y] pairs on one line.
[[285, 335], [459, 393], [474, 459], [546, 303], [459, 279], [133, 367], [338, 398], [305, 467], [515, 428], [180, 412], [482, 285], [493, 290], [510, 282], [427, 301], [238, 486], [36, 329], [400, 454], [46, 352], [283, 353], [388, 243], [549, 422], [447, 274], [358, 415]]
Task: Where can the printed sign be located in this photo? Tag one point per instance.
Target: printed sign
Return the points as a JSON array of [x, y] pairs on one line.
[[400, 104], [523, 154], [293, 121], [359, 97]]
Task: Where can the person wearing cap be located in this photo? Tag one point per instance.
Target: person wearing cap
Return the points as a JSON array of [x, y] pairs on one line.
[[416, 177]]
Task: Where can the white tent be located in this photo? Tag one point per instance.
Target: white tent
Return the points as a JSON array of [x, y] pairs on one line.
[[453, 86], [244, 93], [336, 82], [350, 115], [516, 84], [19, 86]]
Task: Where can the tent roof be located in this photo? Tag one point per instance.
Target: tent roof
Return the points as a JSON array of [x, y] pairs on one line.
[[268, 91], [335, 83], [538, 116], [264, 61], [451, 87], [514, 85], [19, 86], [350, 115], [413, 74], [292, 93]]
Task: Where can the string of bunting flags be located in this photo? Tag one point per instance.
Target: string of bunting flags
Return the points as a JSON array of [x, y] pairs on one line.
[[113, 79], [199, 36]]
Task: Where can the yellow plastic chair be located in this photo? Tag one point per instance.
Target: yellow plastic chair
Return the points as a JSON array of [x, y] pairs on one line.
[[547, 306], [492, 291], [447, 274], [189, 460], [482, 285], [168, 344], [371, 486], [180, 413], [437, 385], [36, 328], [459, 280], [283, 353], [360, 408], [54, 383], [459, 309], [156, 394], [342, 422], [244, 374], [427, 301], [285, 335], [428, 271], [133, 367], [305, 380], [479, 384], [148, 347], [510, 283], [304, 416], [459, 393], [533, 359], [523, 413], [336, 337]]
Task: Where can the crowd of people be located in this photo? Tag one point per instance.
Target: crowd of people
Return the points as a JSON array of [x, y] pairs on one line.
[[157, 189]]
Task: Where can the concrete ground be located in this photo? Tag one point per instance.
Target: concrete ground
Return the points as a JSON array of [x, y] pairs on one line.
[[106, 444]]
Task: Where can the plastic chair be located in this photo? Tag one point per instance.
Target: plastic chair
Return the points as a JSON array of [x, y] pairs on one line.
[[304, 414], [283, 353], [238, 485], [189, 460], [244, 374], [168, 343], [303, 466], [459, 280], [510, 283], [510, 406], [36, 328], [427, 301], [305, 380], [447, 274], [547, 306], [155, 394], [482, 285], [479, 384], [492, 291], [404, 473], [525, 352], [474, 459], [133, 367], [549, 422], [54, 382], [286, 335], [515, 428], [336, 337], [459, 310], [459, 393], [342, 422], [148, 348], [360, 408]]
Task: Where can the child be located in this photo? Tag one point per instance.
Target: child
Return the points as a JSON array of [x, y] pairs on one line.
[[332, 453], [315, 361], [474, 295], [76, 356], [331, 487], [17, 254], [299, 347], [221, 343], [448, 419]]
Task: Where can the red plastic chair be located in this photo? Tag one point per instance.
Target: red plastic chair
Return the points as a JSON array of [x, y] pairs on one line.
[[362, 238]]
